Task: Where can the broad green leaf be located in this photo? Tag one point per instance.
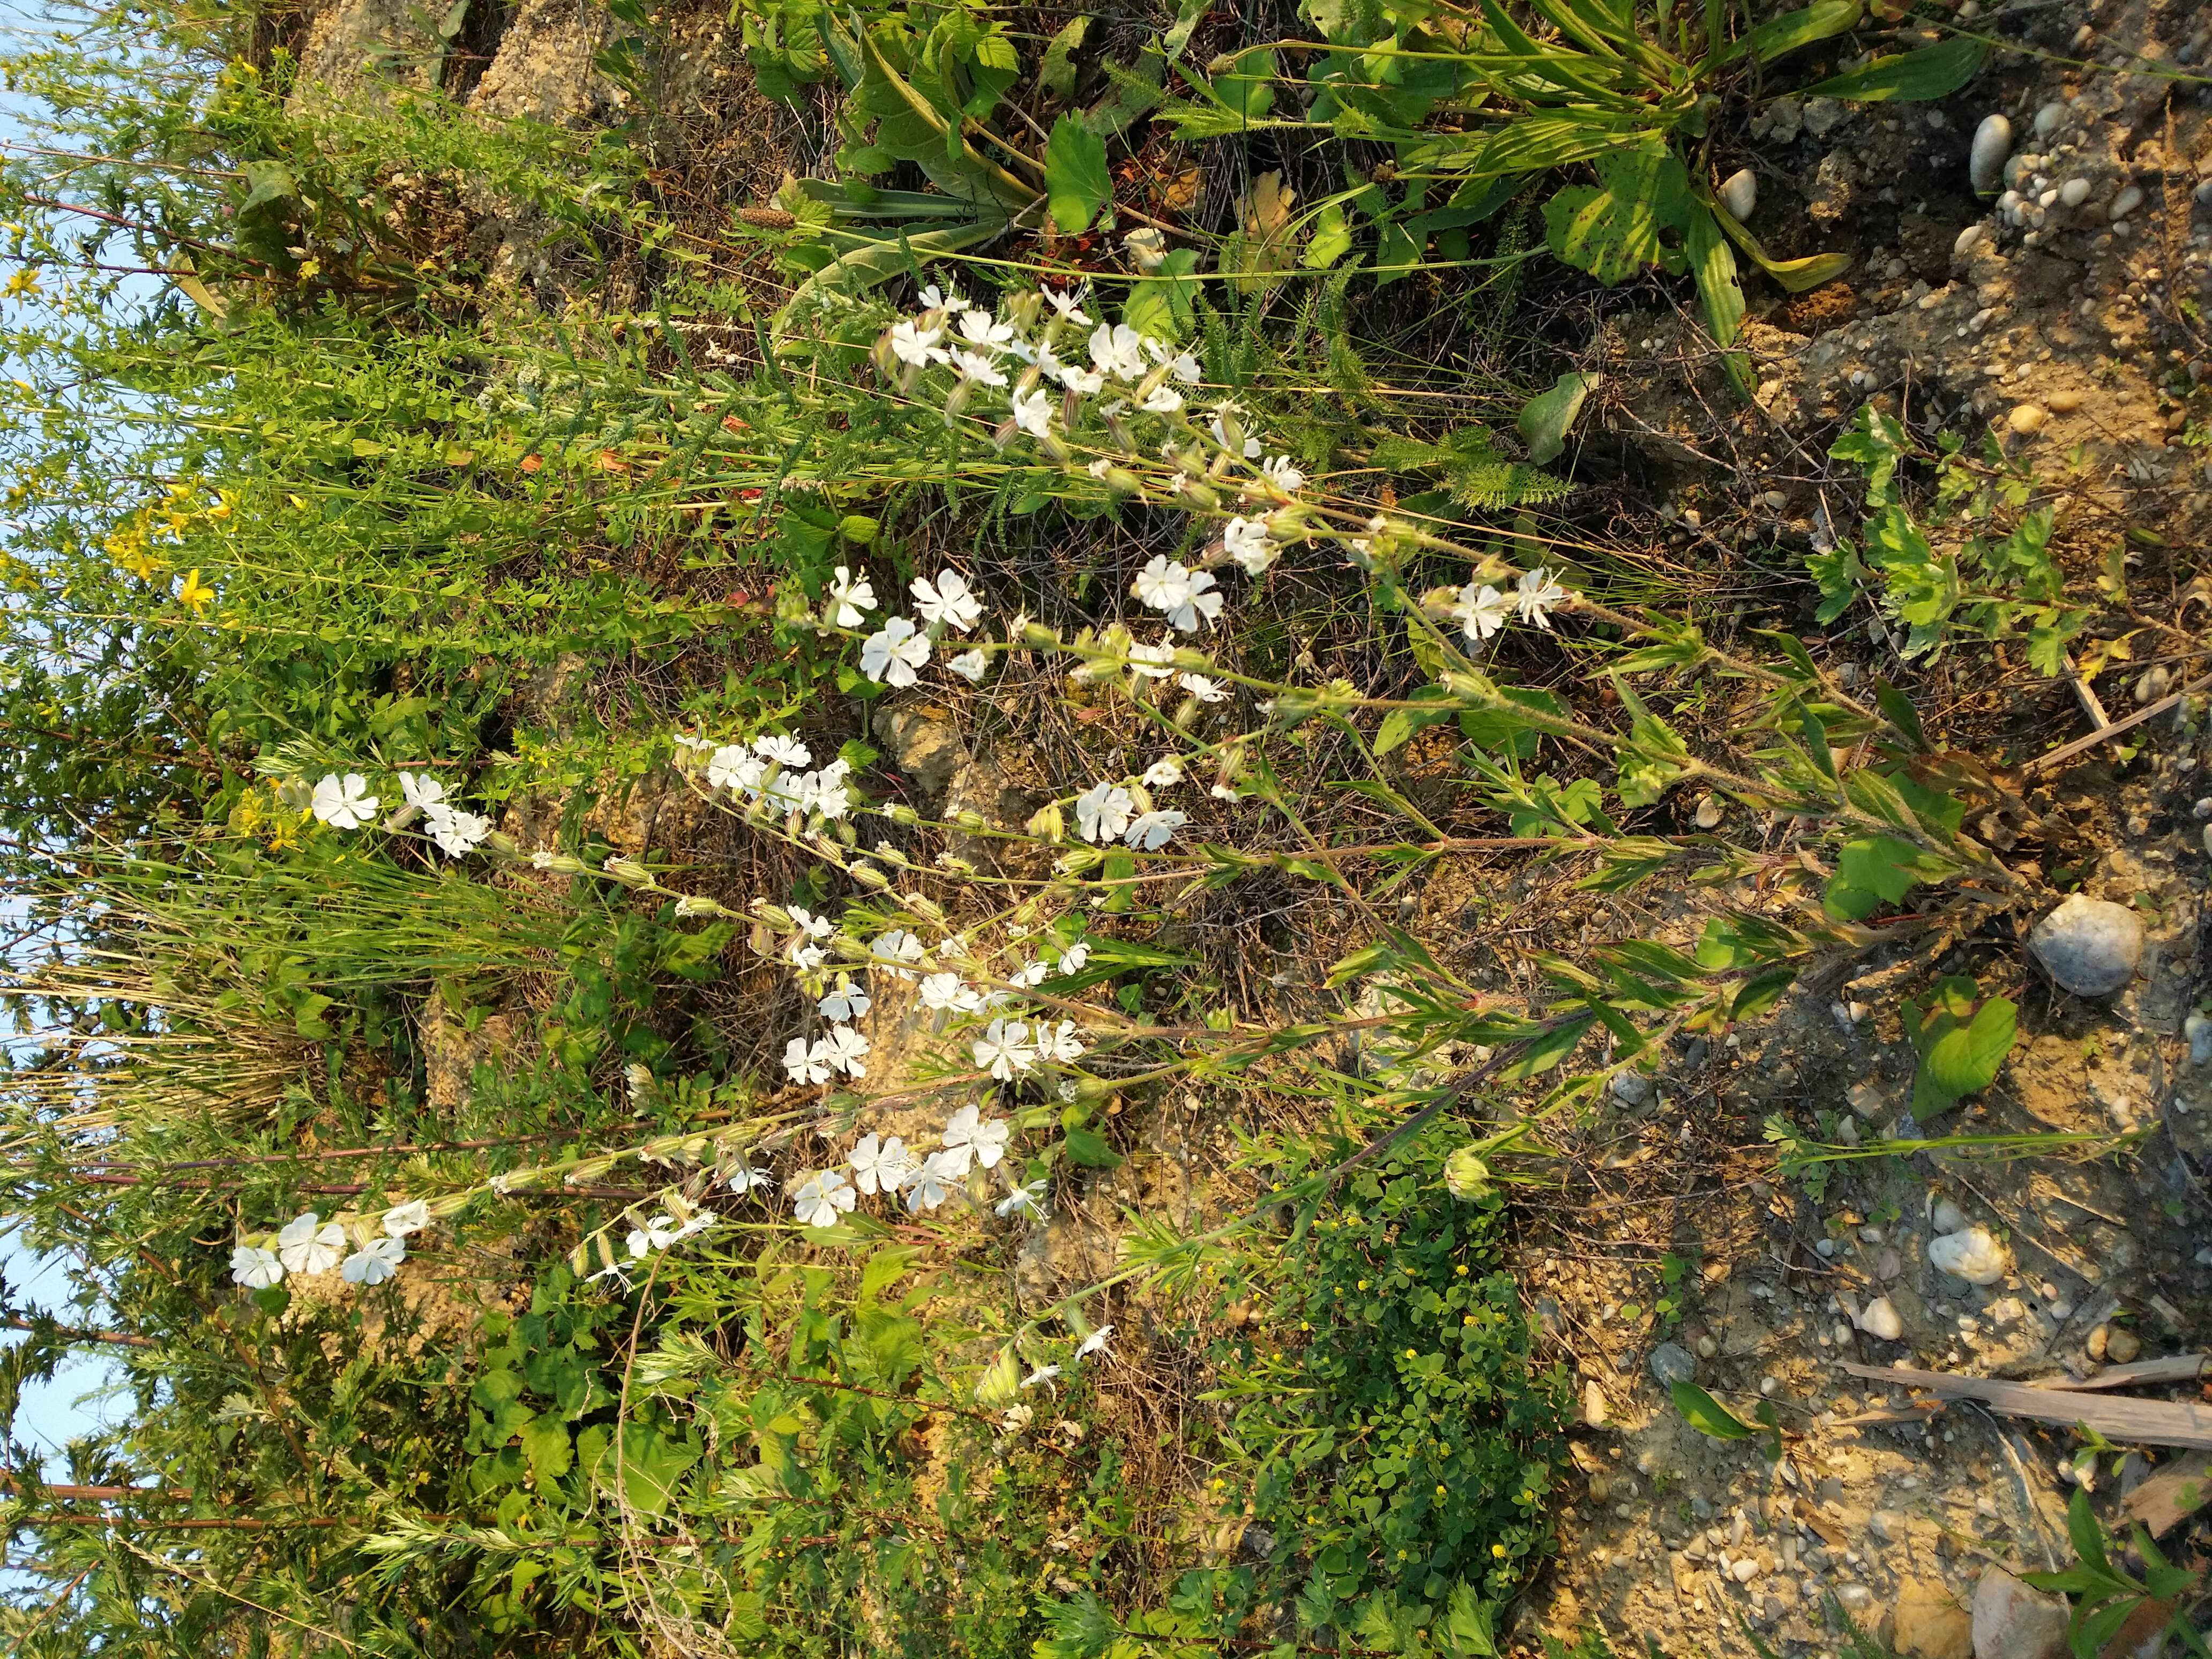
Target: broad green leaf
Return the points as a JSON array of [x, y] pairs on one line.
[[1882, 864], [1077, 184], [1057, 73], [1901, 714], [1936, 71], [1614, 230], [266, 182], [1545, 1051], [1086, 1148], [1965, 1058], [1797, 276], [1713, 265], [1707, 1415], [1760, 993], [1161, 304], [1822, 21], [1547, 418], [1400, 724], [1331, 239], [1247, 87]]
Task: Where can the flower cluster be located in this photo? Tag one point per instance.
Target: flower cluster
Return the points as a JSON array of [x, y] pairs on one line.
[[1482, 609], [768, 773], [342, 801], [308, 1245], [885, 1164]]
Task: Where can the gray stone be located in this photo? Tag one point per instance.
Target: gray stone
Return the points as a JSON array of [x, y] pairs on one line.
[[2198, 1030], [2011, 1621], [1985, 162], [1632, 1089], [2090, 946], [1671, 1364]]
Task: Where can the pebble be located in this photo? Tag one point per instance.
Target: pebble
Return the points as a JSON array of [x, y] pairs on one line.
[[2062, 402], [1865, 1098], [1707, 1348], [2011, 1621], [1739, 193], [1986, 162], [2027, 417], [2125, 202], [1879, 1318], [1931, 1624], [1969, 240], [1632, 1089], [1744, 1570], [2198, 1030], [1671, 1364], [1947, 1217], [2074, 192], [2122, 1345], [2096, 1346], [2090, 946], [1596, 1413], [1708, 811], [1970, 1253]]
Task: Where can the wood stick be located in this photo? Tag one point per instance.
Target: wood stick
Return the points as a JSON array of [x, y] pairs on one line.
[[2148, 1422], [2175, 1368]]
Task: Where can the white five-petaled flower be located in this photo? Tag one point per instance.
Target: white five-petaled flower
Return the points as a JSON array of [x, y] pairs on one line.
[[1184, 365], [931, 1179], [893, 653], [1250, 447], [1163, 773], [1073, 958], [1032, 414], [1205, 689], [344, 803], [1247, 541], [1184, 594], [1028, 1198], [810, 925], [255, 1266], [1095, 1343], [1031, 974], [946, 991], [657, 1234], [1068, 306], [948, 298], [374, 1261], [898, 950], [1154, 662], [1481, 611], [848, 1001], [911, 343], [1003, 1050], [849, 599], [734, 766], [1282, 472], [1150, 831], [822, 1197], [458, 833], [979, 328], [1084, 383], [975, 366], [844, 1048], [1203, 603], [880, 1165], [403, 1219], [970, 665], [787, 752], [1162, 400], [422, 790], [1102, 812], [972, 1133], [749, 1178], [1041, 1375], [1059, 1043], [1535, 596], [807, 1062], [949, 600], [1118, 349], [304, 1247]]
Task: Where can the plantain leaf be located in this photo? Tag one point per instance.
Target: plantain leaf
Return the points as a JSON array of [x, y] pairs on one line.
[[1936, 71]]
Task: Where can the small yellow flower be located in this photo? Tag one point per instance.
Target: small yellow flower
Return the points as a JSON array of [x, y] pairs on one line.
[[196, 595], [1362, 1283], [1460, 1270], [1469, 1320], [1498, 1550], [1440, 1492], [1410, 1354]]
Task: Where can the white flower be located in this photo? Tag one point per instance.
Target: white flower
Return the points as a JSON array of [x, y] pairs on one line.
[[809, 925], [848, 598], [806, 958], [970, 1134], [946, 299], [1032, 414], [1481, 611], [1163, 773], [1068, 306], [880, 1165], [787, 752], [304, 1248], [1184, 365], [750, 1178], [657, 1234], [950, 601], [1028, 1198], [1204, 690], [1246, 541], [344, 803], [1154, 662], [806, 1062], [932, 1178], [916, 345], [735, 768], [1151, 831], [457, 833], [845, 1048], [1162, 400], [848, 1001], [1282, 472], [1042, 1374], [699, 1222], [1163, 584], [613, 1270], [1118, 349], [402, 1219], [899, 950], [979, 328], [1536, 596], [1059, 1043], [1024, 977], [1085, 382], [822, 1197], [255, 1266], [1003, 1049], [1102, 812], [894, 652], [1223, 792], [1251, 445], [1095, 1343], [421, 789], [1073, 958], [1202, 604], [975, 366], [970, 665], [946, 991], [824, 792], [374, 1261]]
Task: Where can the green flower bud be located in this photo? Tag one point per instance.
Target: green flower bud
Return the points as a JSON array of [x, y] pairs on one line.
[[1466, 1175]]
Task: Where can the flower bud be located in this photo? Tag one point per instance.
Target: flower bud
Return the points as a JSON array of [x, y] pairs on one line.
[[900, 812], [885, 360], [1204, 497], [1121, 481], [693, 904], [923, 906], [969, 819], [1048, 823], [774, 914], [1466, 1175], [629, 871], [1023, 309], [561, 864], [868, 875], [1039, 633]]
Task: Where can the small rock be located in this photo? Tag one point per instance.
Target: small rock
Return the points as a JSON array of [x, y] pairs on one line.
[[1947, 1217], [1709, 808], [2062, 402], [1879, 1318], [1707, 1348], [1969, 238], [1865, 1097], [2122, 1345], [1744, 1570], [2198, 1030], [2074, 192], [1970, 1253], [1931, 1624], [1632, 1089], [1986, 162], [1887, 1525], [2011, 1621], [2090, 946], [1671, 1364], [2125, 202], [2048, 118], [2027, 417], [2094, 1347], [1601, 1489], [1739, 193], [1596, 1413]]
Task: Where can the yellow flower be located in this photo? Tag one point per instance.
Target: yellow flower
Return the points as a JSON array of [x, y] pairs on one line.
[[195, 594], [1410, 1354], [1469, 1320], [24, 281], [1498, 1550], [1440, 1492], [1460, 1270], [1362, 1283]]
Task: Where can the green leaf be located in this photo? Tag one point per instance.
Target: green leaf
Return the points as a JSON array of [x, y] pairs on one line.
[[1936, 71], [1882, 864], [1547, 418], [1964, 1059], [1547, 1050], [1613, 231], [1713, 265], [1331, 239], [1161, 304], [1777, 36], [653, 1463], [1901, 714], [1086, 1148], [1075, 179], [1247, 89], [1400, 724], [1707, 1415], [267, 182], [545, 1443], [1057, 73], [2087, 1537]]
